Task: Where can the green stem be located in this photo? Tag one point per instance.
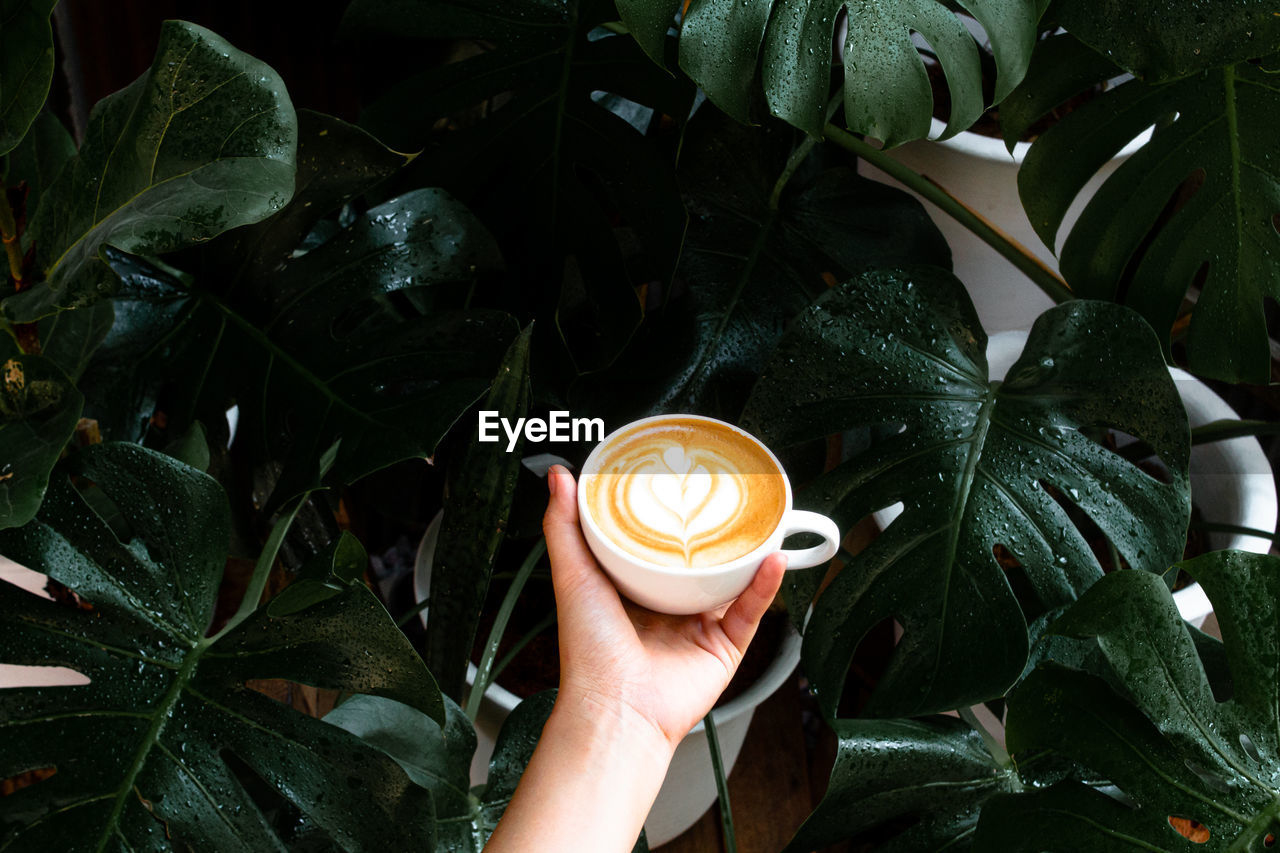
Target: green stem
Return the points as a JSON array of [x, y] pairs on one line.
[[722, 785], [262, 569], [616, 27], [997, 750], [1231, 428], [1214, 527], [793, 162], [484, 671], [545, 623], [1011, 250]]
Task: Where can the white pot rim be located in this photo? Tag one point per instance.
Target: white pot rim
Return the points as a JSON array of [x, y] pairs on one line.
[[779, 670], [993, 149]]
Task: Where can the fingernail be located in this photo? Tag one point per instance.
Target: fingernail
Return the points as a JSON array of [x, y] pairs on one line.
[[552, 477]]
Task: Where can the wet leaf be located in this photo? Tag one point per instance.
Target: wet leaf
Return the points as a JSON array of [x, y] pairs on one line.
[[886, 88], [1156, 732], [1194, 207], [899, 357], [38, 158], [926, 779], [201, 143], [146, 752]]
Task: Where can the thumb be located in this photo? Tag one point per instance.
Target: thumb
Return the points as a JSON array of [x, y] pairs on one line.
[[574, 570]]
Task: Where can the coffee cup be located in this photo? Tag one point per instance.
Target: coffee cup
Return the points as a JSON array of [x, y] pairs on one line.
[[681, 510]]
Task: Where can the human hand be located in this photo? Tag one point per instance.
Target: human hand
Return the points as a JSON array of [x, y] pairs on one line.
[[619, 659]]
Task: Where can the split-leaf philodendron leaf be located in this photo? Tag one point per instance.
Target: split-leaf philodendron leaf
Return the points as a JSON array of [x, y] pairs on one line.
[[932, 775], [157, 750], [26, 65], [1196, 206], [1171, 752], [201, 143], [887, 93], [970, 459], [1156, 40]]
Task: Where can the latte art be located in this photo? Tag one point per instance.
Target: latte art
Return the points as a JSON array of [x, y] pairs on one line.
[[685, 493]]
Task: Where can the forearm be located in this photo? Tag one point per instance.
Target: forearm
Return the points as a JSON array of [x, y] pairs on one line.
[[589, 785]]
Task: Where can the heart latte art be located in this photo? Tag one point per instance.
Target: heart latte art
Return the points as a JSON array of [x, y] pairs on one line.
[[685, 493]]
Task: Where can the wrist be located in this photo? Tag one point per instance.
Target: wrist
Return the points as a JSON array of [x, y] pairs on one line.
[[608, 722]]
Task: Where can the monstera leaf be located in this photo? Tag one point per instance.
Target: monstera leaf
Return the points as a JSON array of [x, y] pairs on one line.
[[1197, 205], [1172, 749], [933, 775], [901, 355], [587, 202], [162, 748], [1158, 41], [201, 143], [330, 355], [26, 66], [39, 408], [886, 88], [751, 262]]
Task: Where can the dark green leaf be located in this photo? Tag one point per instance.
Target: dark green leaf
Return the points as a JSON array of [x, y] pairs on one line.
[[70, 338], [191, 448], [482, 485], [1195, 206], [903, 351], [921, 782], [38, 158], [589, 203], [332, 354], [201, 143], [1159, 41], [438, 758], [26, 65], [748, 268], [142, 751], [336, 162], [39, 409], [887, 92], [1159, 735]]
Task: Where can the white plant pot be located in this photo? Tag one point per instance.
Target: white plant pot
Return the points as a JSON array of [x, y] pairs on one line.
[[689, 788], [1230, 480], [979, 171]]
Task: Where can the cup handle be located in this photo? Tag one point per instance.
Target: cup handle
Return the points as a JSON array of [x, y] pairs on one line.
[[803, 521]]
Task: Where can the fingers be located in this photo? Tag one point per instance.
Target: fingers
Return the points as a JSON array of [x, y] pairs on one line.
[[573, 567], [742, 617]]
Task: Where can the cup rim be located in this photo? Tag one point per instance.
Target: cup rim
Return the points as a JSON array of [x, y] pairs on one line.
[[758, 553]]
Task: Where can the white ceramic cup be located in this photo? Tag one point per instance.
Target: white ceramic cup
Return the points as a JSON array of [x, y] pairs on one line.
[[680, 590]]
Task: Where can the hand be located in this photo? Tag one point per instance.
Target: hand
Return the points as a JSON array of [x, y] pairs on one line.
[[632, 684], [617, 658]]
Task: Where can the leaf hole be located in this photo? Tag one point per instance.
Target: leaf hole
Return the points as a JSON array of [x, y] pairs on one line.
[[1192, 830], [1178, 199], [1211, 778], [1017, 577], [17, 782], [1104, 552], [870, 662], [1250, 749]]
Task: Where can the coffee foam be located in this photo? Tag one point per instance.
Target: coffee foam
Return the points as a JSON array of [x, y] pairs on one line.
[[685, 493]]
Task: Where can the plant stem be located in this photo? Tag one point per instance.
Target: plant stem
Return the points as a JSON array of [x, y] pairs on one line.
[[722, 784], [1214, 527], [543, 624], [1011, 250], [484, 671], [24, 333], [1230, 428], [616, 27], [793, 162], [262, 569], [997, 750]]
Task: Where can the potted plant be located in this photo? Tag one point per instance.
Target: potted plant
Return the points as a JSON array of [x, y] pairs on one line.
[[579, 230]]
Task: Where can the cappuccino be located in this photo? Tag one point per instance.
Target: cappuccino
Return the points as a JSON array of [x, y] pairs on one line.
[[685, 492]]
